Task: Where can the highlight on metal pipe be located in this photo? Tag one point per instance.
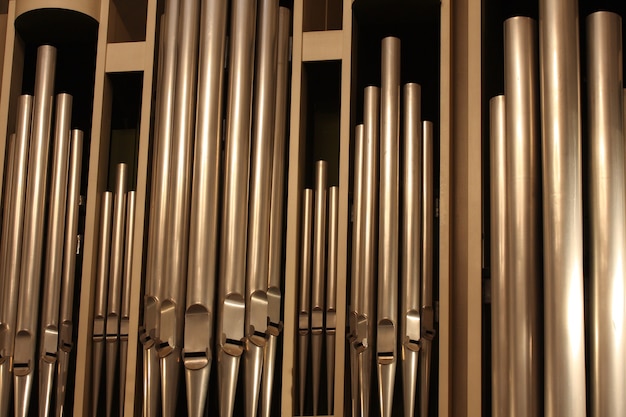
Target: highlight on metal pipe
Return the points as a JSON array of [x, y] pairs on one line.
[[304, 305], [607, 205], [116, 271], [257, 262], [564, 356], [388, 223], [100, 299], [231, 302], [274, 293], [13, 221], [411, 267], [70, 242], [129, 239], [197, 353], [49, 328], [428, 314], [523, 221], [33, 233], [500, 402], [331, 292]]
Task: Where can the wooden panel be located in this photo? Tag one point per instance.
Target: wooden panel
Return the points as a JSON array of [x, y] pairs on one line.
[[126, 56], [323, 46]]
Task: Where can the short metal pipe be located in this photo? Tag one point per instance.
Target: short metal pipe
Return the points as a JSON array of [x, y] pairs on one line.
[[607, 204], [564, 358], [331, 292], [304, 305]]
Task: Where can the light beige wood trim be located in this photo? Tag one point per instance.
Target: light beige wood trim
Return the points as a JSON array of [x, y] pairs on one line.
[[97, 174], [89, 7], [127, 56], [324, 45], [132, 406]]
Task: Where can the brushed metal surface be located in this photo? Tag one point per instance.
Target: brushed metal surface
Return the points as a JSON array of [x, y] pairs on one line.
[[305, 292]]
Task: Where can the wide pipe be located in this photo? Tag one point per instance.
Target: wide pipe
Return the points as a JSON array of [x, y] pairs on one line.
[[564, 357], [607, 204], [523, 216], [498, 258], [33, 237], [411, 242], [304, 304], [231, 304], [331, 291]]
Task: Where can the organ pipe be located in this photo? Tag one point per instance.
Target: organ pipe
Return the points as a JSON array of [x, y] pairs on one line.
[[304, 305]]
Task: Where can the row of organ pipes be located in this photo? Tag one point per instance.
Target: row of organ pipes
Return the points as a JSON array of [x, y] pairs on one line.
[[537, 190]]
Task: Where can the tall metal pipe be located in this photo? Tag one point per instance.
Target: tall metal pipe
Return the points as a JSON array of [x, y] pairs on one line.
[[427, 318], [564, 356], [100, 298], [203, 238], [69, 267], [257, 261], [388, 223], [231, 304], [523, 216], [14, 231], [7, 196], [356, 268], [331, 292], [274, 294], [49, 328], [116, 271], [411, 268], [129, 239], [304, 310], [500, 404], [607, 203], [32, 243]]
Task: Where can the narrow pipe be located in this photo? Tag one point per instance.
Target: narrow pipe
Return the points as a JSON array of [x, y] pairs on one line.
[[49, 328], [564, 358], [331, 292], [411, 243], [129, 239], [257, 261], [304, 322], [7, 197], [428, 218], [116, 271], [498, 261], [231, 304], [607, 204], [357, 268], [100, 299], [523, 216], [202, 264], [14, 232], [274, 294], [319, 273], [33, 237], [369, 226], [388, 223]]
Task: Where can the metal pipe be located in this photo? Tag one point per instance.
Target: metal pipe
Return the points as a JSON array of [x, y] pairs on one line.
[[331, 292], [564, 357], [129, 239], [202, 264], [388, 223], [116, 271], [498, 260], [607, 204], [366, 325], [357, 268], [304, 321], [274, 294], [14, 232], [32, 243], [523, 216], [411, 243], [69, 267], [100, 299], [49, 328], [157, 228], [7, 197], [428, 218], [259, 201]]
